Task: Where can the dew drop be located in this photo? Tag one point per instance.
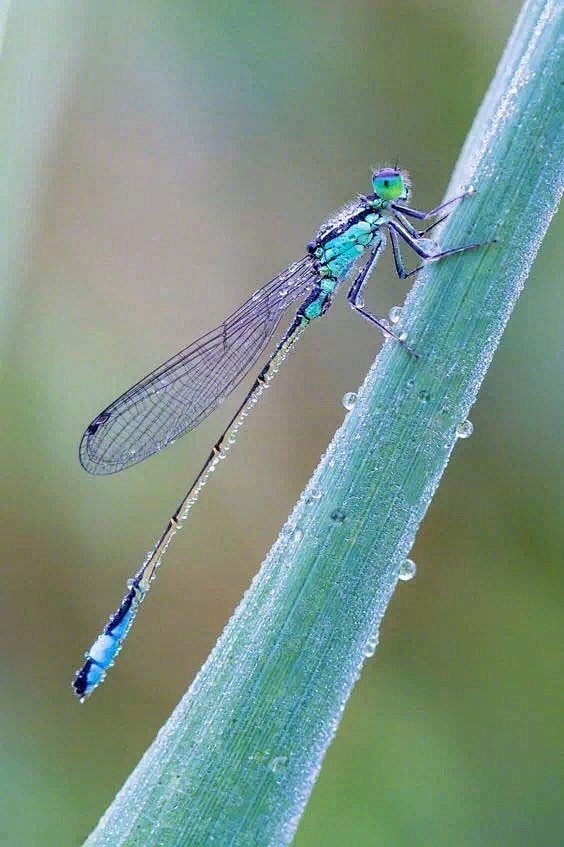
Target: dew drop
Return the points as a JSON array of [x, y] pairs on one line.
[[395, 314], [349, 399], [277, 763], [370, 648], [338, 516], [407, 570], [424, 396], [464, 429], [315, 494], [402, 335], [430, 246], [360, 302]]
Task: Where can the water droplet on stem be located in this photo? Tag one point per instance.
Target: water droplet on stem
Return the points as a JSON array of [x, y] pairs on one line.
[[407, 570], [338, 516], [464, 429], [395, 314], [349, 399]]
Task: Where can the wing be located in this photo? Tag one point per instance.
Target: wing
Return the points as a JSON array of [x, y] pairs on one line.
[[183, 391]]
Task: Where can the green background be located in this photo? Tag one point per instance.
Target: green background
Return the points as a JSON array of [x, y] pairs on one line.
[[161, 160]]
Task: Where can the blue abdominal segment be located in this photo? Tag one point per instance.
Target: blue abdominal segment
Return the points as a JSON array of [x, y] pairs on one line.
[[108, 644]]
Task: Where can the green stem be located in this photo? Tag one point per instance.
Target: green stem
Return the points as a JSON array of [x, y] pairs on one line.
[[237, 760]]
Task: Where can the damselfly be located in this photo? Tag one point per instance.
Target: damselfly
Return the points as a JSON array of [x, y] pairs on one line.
[[177, 396]]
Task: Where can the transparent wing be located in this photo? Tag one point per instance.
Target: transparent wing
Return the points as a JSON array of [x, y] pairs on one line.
[[183, 391]]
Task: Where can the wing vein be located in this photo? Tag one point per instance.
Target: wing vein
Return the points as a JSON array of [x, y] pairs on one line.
[[180, 393]]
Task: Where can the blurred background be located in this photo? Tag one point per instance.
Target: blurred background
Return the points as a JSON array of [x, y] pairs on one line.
[[160, 161]]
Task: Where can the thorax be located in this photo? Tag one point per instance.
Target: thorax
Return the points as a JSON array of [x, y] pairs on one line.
[[343, 238], [339, 243]]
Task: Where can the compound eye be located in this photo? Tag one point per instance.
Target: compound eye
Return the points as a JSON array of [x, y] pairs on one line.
[[388, 184]]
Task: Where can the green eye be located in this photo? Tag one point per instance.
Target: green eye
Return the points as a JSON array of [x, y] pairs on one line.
[[389, 184]]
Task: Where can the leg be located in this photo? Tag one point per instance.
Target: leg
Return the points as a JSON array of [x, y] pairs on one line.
[[396, 229], [413, 213], [362, 276], [398, 261], [354, 295], [418, 233]]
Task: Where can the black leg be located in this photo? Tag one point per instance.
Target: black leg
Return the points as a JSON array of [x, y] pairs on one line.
[[354, 295], [418, 233], [362, 276], [413, 213], [398, 261], [396, 229]]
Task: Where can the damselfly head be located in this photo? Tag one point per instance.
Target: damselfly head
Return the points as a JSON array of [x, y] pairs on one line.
[[391, 184]]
